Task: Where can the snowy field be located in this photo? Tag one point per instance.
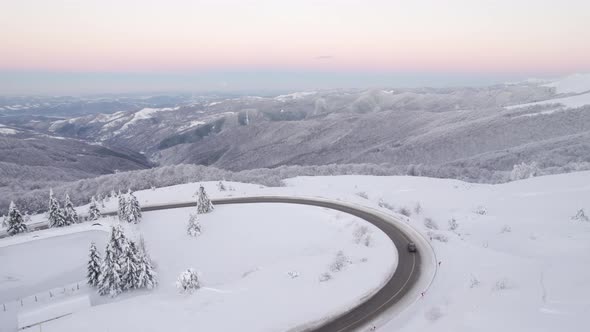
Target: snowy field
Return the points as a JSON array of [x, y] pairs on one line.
[[34, 266], [254, 260], [512, 260]]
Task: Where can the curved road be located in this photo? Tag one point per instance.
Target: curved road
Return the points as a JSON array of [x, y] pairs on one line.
[[405, 276], [403, 279]]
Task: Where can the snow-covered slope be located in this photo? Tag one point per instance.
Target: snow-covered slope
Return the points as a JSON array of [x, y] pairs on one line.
[[577, 87], [514, 262], [259, 264], [576, 83], [144, 114], [513, 258], [562, 103]]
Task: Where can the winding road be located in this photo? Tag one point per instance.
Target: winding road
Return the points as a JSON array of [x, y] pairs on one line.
[[403, 280]]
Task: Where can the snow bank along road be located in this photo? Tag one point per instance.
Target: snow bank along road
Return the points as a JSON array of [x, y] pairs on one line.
[[412, 276]]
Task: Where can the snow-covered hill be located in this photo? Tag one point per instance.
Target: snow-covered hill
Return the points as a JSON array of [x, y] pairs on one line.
[[577, 83], [476, 133], [576, 88], [256, 260], [512, 255]]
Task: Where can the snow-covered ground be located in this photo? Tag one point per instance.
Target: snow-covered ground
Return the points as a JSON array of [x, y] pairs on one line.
[[144, 114], [35, 264], [564, 102], [516, 260], [259, 264], [576, 83], [578, 88]]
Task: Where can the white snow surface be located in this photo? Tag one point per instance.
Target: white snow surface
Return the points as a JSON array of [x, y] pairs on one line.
[[295, 95], [520, 266], [59, 308], [191, 124], [8, 131], [576, 83], [565, 102], [143, 114], [246, 257]]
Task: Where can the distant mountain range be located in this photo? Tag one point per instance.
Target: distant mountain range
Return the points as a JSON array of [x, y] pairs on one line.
[[491, 128]]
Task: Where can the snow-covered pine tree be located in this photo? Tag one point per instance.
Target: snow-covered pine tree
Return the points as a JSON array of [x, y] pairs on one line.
[[188, 281], [4, 221], [93, 211], [130, 267], [70, 214], [110, 274], [194, 228], [55, 216], [94, 264], [118, 242], [121, 212], [221, 186], [204, 204], [133, 210], [16, 223], [148, 277]]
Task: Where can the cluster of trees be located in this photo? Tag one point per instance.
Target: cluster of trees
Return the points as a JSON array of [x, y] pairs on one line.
[[129, 209], [524, 171], [83, 190], [59, 217], [125, 266], [204, 205]]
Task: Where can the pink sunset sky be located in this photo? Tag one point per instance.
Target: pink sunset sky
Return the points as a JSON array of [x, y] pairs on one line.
[[500, 38]]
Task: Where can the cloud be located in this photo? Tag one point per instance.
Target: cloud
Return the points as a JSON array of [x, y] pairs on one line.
[[324, 57]]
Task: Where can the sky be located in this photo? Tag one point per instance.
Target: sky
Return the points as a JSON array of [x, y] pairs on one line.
[[72, 46]]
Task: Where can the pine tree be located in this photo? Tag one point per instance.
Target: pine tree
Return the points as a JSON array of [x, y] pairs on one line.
[[147, 275], [188, 281], [118, 242], [131, 267], [121, 212], [194, 228], [94, 266], [204, 204], [16, 223], [133, 210], [69, 213], [221, 186], [93, 211], [55, 215], [110, 274]]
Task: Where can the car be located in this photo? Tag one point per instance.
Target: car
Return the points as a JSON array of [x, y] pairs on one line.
[[412, 247]]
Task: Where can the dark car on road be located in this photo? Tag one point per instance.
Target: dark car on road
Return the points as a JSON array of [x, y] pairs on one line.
[[412, 247]]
